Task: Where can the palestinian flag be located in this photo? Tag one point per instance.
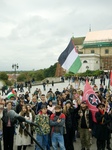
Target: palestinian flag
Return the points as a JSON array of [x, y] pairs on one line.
[[69, 58], [11, 94]]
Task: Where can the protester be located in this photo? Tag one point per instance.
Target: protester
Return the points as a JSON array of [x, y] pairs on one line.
[[32, 118], [8, 127], [50, 95], [34, 104], [19, 105], [77, 84], [43, 129], [102, 131], [70, 124], [57, 122], [43, 101], [85, 125], [22, 137], [50, 106]]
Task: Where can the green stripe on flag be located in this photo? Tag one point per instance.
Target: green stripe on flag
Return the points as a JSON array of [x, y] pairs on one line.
[[76, 65], [10, 95]]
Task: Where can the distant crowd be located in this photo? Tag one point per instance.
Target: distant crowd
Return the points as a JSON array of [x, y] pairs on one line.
[[57, 118]]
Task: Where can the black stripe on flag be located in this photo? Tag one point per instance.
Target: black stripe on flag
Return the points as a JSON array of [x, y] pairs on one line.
[[65, 53]]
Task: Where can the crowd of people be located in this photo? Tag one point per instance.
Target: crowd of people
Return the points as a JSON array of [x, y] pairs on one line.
[[60, 117]]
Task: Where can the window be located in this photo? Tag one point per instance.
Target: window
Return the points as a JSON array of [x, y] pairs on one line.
[[106, 51], [92, 51], [84, 61]]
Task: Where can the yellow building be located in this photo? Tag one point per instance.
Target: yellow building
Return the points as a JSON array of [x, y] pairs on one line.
[[99, 42]]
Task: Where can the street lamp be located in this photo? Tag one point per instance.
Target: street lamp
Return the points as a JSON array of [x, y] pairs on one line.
[[15, 67]]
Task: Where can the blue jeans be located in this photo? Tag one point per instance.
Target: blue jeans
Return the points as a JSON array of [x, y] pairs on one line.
[[57, 138], [42, 140]]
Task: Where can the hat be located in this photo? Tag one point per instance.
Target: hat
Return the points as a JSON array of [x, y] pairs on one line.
[[43, 106], [83, 102], [68, 101], [100, 104]]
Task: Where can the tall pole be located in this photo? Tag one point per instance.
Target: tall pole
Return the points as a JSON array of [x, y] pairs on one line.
[[15, 66]]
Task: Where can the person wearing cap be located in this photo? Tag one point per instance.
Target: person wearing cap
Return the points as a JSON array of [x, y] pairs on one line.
[[43, 129], [102, 132], [57, 122], [84, 125], [70, 124]]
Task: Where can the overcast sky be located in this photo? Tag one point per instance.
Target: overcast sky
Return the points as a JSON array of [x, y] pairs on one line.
[[33, 33]]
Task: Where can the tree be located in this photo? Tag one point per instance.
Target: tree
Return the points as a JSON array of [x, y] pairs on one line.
[[3, 76]]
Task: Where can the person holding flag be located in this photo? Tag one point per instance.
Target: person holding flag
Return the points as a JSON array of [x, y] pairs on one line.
[[92, 101]]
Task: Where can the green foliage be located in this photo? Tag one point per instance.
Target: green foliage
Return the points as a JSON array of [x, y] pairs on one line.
[[23, 77], [37, 75], [8, 83], [93, 73], [69, 74], [50, 72], [3, 76], [87, 73]]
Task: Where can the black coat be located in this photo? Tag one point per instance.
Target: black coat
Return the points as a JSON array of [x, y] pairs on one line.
[[5, 119], [71, 120], [101, 131]]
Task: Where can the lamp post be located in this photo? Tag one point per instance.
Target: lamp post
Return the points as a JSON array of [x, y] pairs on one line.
[[15, 67]]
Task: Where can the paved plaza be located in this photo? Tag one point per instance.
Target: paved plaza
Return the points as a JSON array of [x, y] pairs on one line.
[[60, 86]]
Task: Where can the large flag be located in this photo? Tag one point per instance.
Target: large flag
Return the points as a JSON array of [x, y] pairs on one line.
[[91, 98], [69, 58]]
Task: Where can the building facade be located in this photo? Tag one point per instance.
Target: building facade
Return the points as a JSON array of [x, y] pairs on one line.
[[95, 50], [99, 42], [89, 62]]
